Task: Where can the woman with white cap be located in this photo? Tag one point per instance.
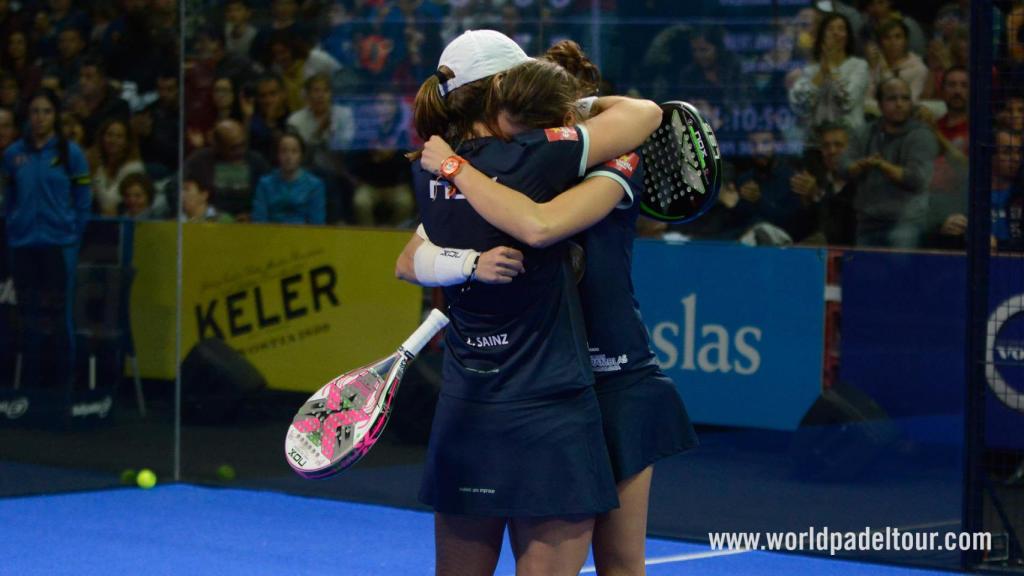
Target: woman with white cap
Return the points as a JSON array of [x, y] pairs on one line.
[[517, 436]]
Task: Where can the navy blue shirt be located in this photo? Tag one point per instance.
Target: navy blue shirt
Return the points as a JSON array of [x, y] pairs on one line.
[[524, 339], [620, 351], [47, 203]]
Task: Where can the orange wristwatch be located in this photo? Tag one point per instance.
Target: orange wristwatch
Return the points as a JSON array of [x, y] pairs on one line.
[[451, 166]]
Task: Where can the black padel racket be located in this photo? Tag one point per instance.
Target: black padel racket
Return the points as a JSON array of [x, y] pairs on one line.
[[683, 166]]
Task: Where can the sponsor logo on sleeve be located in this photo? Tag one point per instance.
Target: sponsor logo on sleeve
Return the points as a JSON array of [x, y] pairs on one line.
[[563, 133], [626, 164], [445, 189]]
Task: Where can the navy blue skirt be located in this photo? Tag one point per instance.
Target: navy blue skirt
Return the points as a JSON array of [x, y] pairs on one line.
[[543, 457], [643, 422]]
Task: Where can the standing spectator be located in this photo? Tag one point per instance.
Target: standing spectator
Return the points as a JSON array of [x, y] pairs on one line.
[[114, 156], [47, 200], [270, 117], [229, 171], [156, 126], [238, 31], [289, 194], [8, 129], [895, 59], [96, 101], [893, 168], [832, 89]]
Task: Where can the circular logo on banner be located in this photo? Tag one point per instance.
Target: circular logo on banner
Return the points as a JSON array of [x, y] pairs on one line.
[[1004, 352]]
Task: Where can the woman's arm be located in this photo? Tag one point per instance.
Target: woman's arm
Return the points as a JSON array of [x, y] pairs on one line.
[[538, 225], [621, 126], [495, 266]]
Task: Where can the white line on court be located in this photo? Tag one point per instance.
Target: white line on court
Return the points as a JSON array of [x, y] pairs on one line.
[[678, 558]]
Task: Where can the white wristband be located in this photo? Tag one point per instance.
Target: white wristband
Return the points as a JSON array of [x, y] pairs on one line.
[[437, 266], [583, 106]]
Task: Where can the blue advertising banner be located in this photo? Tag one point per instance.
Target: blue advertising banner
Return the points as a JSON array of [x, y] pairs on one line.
[[739, 329], [903, 342]]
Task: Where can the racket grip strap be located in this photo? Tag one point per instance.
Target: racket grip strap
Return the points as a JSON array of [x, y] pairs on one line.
[[431, 326]]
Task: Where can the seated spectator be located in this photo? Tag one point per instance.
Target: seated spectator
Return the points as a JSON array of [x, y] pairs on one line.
[[270, 117], [195, 204], [322, 124], [8, 129], [328, 130], [1005, 201], [821, 187], [383, 195], [68, 63], [226, 105], [96, 101], [114, 156], [950, 179], [238, 31], [878, 12], [1010, 111], [229, 169], [286, 64], [137, 196], [289, 194], [766, 195], [10, 94], [210, 63], [19, 59], [832, 89], [71, 127], [283, 19], [892, 166], [156, 126], [894, 59], [65, 16]]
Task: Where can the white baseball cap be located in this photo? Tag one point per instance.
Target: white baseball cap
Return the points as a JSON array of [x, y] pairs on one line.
[[477, 54]]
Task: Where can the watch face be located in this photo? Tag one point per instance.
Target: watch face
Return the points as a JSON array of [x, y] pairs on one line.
[[448, 166]]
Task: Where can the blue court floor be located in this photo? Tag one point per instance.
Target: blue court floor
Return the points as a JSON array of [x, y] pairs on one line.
[[181, 529]]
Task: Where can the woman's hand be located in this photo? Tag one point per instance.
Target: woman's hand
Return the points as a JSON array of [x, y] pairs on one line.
[[435, 151], [499, 265]]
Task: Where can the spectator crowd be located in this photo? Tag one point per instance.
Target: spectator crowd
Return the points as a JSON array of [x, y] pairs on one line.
[[842, 123]]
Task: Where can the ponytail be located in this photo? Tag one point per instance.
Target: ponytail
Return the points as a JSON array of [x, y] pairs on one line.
[[430, 112]]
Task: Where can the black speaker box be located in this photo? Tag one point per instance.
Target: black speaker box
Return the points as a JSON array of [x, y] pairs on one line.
[[841, 435]]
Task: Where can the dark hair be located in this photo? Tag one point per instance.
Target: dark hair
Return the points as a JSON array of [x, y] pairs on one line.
[[819, 40], [570, 55], [138, 179], [952, 69], [62, 143], [537, 94], [879, 90], [452, 116], [830, 126], [290, 133], [315, 78], [94, 61], [890, 24]]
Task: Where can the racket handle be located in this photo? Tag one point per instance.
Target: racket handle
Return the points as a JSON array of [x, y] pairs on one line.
[[431, 326]]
